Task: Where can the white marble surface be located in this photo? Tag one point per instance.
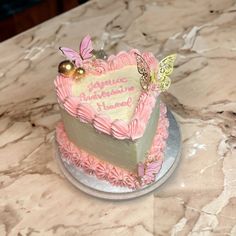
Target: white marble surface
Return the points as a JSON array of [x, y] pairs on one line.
[[200, 198]]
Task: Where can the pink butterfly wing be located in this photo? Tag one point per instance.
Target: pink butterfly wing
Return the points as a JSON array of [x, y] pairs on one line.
[[153, 168], [149, 179], [72, 55], [86, 48], [140, 169]]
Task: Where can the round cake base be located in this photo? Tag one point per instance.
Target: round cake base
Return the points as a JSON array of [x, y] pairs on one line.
[[103, 189]]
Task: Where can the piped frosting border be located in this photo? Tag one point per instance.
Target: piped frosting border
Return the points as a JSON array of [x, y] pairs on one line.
[[85, 113], [113, 174]]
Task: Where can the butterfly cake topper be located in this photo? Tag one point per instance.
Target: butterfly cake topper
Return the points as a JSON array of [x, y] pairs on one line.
[[147, 171], [149, 78], [73, 67]]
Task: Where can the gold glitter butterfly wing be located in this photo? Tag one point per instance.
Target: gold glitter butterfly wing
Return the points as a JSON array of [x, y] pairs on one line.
[[144, 70], [143, 82], [165, 69]]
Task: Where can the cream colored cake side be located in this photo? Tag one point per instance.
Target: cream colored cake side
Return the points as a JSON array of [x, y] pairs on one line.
[[123, 153]]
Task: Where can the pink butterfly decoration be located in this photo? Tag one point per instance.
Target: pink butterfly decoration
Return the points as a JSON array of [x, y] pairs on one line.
[[85, 51], [148, 171], [141, 169]]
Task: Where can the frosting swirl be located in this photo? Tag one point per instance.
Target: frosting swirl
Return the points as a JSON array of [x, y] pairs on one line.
[[119, 129]]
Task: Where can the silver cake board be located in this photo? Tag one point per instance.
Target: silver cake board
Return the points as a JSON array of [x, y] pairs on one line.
[[103, 189]]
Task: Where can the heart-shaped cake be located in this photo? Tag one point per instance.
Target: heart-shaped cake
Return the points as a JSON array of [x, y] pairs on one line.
[[110, 96], [113, 123]]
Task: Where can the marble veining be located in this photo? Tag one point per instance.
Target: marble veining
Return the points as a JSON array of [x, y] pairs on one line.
[[200, 198]]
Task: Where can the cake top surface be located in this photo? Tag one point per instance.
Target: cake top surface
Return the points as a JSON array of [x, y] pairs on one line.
[[116, 95]]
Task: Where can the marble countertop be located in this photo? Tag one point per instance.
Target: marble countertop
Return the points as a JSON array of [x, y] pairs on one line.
[[200, 198]]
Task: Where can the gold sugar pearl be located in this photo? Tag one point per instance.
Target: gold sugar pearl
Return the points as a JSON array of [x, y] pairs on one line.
[[66, 68], [79, 73]]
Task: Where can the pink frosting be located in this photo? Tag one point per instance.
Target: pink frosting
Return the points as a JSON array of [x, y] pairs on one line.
[[103, 170], [85, 112], [90, 165], [118, 128], [145, 106], [114, 62], [113, 174], [151, 60], [136, 128], [103, 123], [62, 88], [70, 104], [96, 67]]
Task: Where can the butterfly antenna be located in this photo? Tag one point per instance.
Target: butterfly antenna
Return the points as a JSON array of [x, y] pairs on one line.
[[61, 50]]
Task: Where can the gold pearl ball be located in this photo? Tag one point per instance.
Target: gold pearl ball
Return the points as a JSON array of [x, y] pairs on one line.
[[66, 68], [79, 73]]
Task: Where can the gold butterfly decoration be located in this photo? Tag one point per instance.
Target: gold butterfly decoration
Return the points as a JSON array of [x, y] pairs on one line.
[[166, 67], [162, 78], [144, 70]]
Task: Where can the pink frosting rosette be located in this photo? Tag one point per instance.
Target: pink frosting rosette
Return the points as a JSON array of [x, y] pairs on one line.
[[163, 109], [152, 157], [75, 152], [96, 67], [117, 176], [69, 153], [90, 165], [131, 181], [164, 122], [60, 132], [163, 132], [103, 170], [158, 147], [78, 162], [136, 128], [84, 158]]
